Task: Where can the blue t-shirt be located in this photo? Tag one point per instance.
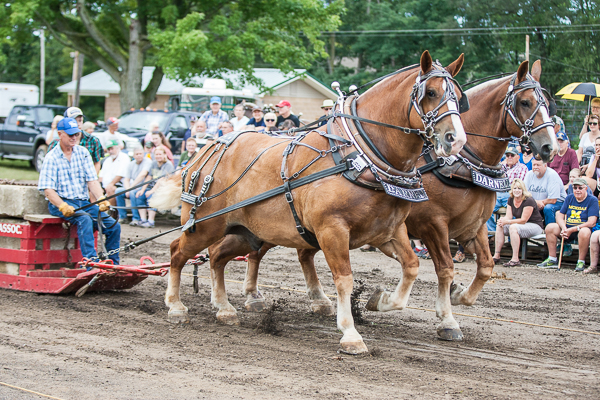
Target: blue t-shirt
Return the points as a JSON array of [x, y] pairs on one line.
[[253, 122], [528, 164], [577, 213]]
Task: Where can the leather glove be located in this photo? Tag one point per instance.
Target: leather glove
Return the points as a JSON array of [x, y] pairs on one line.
[[104, 206], [66, 209]]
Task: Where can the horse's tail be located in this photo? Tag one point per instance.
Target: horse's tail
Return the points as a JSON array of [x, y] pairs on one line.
[[169, 195]]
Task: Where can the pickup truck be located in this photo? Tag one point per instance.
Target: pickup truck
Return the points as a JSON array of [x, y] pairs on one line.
[[23, 134]]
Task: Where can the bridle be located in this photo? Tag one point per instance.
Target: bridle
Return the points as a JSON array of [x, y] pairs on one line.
[[431, 118], [510, 101]]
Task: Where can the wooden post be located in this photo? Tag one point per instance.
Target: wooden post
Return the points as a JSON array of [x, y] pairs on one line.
[[526, 47]]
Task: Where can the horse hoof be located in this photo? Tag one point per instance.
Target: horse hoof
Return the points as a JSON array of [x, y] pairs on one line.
[[324, 308], [373, 303], [454, 335], [228, 319], [178, 317], [255, 305], [354, 348]]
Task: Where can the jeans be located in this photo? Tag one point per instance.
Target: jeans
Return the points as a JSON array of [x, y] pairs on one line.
[[121, 203], [550, 212], [501, 201], [86, 222], [141, 201]]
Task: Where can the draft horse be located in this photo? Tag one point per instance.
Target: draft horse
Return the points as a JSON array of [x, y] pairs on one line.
[[501, 109], [339, 214]]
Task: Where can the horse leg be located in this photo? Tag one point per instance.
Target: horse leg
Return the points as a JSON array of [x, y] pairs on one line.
[[485, 265], [177, 311], [398, 249], [220, 254], [335, 247], [255, 301], [320, 303]]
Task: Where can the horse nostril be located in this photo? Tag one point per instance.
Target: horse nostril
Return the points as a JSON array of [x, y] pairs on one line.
[[450, 137], [546, 150]]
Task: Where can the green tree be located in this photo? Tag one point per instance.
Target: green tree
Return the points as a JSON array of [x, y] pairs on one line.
[[180, 37]]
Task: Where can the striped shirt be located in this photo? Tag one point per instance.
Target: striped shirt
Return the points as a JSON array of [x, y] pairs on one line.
[[68, 178], [213, 121]]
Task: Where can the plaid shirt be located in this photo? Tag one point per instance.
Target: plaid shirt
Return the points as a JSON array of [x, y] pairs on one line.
[[68, 178], [517, 171], [213, 121], [90, 142]]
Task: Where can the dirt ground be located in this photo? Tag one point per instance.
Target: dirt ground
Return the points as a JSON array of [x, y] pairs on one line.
[[119, 345]]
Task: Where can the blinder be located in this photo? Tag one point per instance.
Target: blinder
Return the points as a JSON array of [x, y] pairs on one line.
[[463, 104]]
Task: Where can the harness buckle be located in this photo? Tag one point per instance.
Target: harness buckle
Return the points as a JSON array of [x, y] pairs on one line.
[[288, 197], [300, 229]]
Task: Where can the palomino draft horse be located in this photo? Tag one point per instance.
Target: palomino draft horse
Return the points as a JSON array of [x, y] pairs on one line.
[[503, 108], [339, 213]]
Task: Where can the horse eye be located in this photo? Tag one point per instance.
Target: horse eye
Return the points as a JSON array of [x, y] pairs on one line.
[[430, 93], [525, 103]]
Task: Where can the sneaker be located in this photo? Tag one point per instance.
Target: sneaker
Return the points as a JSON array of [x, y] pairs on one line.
[[147, 224], [459, 257], [548, 264], [580, 266], [123, 220], [591, 270], [136, 222], [424, 254], [416, 251], [567, 250]]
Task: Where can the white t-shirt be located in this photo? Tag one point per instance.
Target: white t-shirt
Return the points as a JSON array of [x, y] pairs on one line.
[[111, 168], [106, 136], [238, 124]]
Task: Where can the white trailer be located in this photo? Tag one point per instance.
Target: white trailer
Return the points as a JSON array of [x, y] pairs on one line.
[[12, 94]]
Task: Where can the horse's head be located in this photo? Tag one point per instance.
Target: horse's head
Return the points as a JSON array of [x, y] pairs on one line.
[[436, 102], [528, 109]]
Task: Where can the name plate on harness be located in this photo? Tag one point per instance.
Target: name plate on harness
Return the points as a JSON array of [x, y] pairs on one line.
[[412, 195], [494, 184]]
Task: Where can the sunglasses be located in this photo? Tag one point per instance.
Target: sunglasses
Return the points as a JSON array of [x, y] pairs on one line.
[[270, 120], [510, 155], [593, 123], [327, 108], [578, 187]]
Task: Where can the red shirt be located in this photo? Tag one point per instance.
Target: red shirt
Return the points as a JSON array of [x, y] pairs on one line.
[[564, 164]]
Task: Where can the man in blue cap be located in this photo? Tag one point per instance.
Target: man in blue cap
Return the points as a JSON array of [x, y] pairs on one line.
[[215, 117], [66, 176]]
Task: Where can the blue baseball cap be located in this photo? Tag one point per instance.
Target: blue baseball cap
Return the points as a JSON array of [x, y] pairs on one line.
[[69, 125], [560, 135], [215, 99]]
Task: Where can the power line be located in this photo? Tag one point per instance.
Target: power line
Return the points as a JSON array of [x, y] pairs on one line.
[[569, 28], [565, 65]]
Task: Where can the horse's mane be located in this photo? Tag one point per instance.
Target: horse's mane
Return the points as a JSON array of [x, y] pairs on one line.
[[485, 85]]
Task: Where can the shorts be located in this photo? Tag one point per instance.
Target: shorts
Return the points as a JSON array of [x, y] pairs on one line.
[[525, 230]]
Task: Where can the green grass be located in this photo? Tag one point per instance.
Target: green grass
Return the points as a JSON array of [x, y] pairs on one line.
[[17, 169]]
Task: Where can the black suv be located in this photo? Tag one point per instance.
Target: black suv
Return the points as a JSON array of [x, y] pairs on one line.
[[173, 124]]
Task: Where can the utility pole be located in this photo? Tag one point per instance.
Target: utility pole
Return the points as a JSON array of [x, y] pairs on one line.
[[526, 47], [77, 71], [42, 65]]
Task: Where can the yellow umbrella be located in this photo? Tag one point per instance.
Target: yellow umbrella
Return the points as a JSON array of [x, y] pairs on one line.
[[580, 91]]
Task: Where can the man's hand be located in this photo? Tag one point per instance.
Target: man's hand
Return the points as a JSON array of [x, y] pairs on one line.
[[103, 206], [565, 232], [66, 209], [540, 204]]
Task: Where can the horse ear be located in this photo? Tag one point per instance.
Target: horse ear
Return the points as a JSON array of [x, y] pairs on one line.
[[522, 71], [536, 70], [455, 67], [426, 61]]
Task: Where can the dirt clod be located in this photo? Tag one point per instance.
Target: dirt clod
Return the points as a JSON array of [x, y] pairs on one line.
[[269, 322]]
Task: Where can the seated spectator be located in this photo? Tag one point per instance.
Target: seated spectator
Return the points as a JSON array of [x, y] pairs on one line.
[[53, 133], [160, 168], [286, 126], [270, 122], [595, 110], [240, 120], [88, 127], [111, 134], [581, 213], [191, 132], [514, 169], [565, 160], [191, 147], [257, 121], [522, 220], [114, 168], [327, 107], [576, 173], [137, 170], [285, 112], [153, 127], [527, 158], [593, 168], [226, 127], [158, 139], [546, 188], [586, 144], [148, 150], [200, 130]]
